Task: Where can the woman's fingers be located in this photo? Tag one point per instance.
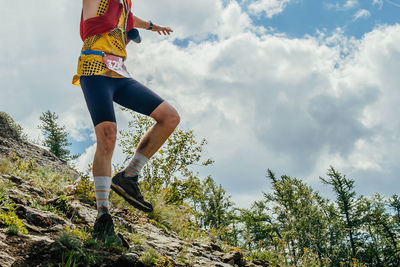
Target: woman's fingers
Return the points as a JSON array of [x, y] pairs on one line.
[[164, 30]]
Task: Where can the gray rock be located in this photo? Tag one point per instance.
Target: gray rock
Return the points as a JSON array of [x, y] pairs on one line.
[[232, 255], [43, 219], [6, 260], [3, 237], [6, 131], [24, 190], [129, 260], [43, 238], [19, 197], [263, 263], [84, 212], [215, 247], [10, 142], [218, 254]]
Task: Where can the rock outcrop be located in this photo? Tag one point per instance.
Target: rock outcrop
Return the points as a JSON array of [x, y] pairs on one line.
[[11, 142]]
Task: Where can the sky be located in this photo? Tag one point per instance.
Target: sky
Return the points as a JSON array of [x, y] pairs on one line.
[[295, 86]]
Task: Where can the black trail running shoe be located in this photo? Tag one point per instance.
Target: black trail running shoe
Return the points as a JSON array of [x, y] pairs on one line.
[[104, 230], [128, 188]]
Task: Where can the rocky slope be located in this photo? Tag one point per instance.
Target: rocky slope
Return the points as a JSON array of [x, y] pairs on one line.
[[45, 245], [11, 142]]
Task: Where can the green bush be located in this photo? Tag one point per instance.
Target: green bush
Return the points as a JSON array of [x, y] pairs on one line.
[[149, 257], [12, 229], [73, 252], [8, 216]]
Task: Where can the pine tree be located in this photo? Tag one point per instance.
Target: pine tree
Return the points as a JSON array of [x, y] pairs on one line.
[[346, 200], [55, 135]]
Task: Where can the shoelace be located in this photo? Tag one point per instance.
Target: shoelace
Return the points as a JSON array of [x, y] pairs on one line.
[[136, 186]]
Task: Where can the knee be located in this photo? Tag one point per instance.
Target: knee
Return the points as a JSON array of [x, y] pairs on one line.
[[172, 118], [166, 115], [106, 139]]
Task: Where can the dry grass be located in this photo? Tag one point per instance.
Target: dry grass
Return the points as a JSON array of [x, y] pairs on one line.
[[52, 182]]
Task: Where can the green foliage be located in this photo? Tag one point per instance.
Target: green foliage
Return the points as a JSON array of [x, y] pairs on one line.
[[135, 239], [85, 191], [149, 257], [5, 165], [12, 229], [69, 240], [62, 205], [9, 218], [346, 201], [82, 234], [5, 186], [51, 181], [290, 219], [56, 137], [23, 165], [165, 261], [214, 205], [175, 159], [294, 226], [18, 129], [73, 244], [173, 217]]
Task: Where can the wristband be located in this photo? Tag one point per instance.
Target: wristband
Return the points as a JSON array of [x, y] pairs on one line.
[[151, 25]]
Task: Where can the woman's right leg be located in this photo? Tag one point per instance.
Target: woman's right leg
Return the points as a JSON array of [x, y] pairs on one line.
[[98, 92]]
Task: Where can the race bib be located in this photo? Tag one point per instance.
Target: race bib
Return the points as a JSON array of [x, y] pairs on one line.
[[116, 64]]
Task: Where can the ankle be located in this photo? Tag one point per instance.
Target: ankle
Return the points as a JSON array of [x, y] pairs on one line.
[[136, 165], [101, 211]]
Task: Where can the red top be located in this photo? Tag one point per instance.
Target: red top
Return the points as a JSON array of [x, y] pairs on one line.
[[106, 22]]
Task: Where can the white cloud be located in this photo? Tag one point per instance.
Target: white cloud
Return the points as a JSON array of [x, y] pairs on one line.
[[86, 158], [349, 4], [378, 2], [362, 13], [269, 7], [187, 18]]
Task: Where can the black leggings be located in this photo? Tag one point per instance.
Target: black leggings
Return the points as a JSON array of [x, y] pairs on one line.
[[101, 91]]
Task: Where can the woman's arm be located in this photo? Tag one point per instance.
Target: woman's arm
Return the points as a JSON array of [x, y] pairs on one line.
[[139, 23]]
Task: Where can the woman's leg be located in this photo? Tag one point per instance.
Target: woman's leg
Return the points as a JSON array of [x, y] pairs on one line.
[[106, 133], [98, 92], [135, 96], [167, 119]]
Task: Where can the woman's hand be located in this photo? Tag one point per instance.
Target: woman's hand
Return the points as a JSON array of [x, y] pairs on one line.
[[141, 24], [160, 29]]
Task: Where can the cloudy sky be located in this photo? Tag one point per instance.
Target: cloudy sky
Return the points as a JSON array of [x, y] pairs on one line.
[[290, 85]]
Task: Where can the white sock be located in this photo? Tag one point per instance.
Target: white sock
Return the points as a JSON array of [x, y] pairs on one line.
[[102, 189], [136, 165]]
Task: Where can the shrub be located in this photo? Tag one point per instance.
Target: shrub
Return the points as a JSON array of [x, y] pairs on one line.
[[12, 229], [8, 216], [149, 257]]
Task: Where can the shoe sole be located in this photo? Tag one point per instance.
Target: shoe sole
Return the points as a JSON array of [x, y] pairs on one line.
[[121, 192]]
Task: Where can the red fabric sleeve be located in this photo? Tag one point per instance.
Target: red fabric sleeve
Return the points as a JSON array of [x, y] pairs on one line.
[[104, 23], [131, 22]]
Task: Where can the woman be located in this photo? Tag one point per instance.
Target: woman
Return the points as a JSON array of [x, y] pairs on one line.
[[106, 28]]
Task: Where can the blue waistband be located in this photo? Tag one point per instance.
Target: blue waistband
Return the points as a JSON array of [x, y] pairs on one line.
[[92, 52]]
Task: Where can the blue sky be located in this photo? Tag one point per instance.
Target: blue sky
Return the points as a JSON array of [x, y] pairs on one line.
[[309, 16], [290, 85]]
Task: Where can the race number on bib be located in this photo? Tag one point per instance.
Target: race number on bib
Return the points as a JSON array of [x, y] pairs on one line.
[[116, 64]]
